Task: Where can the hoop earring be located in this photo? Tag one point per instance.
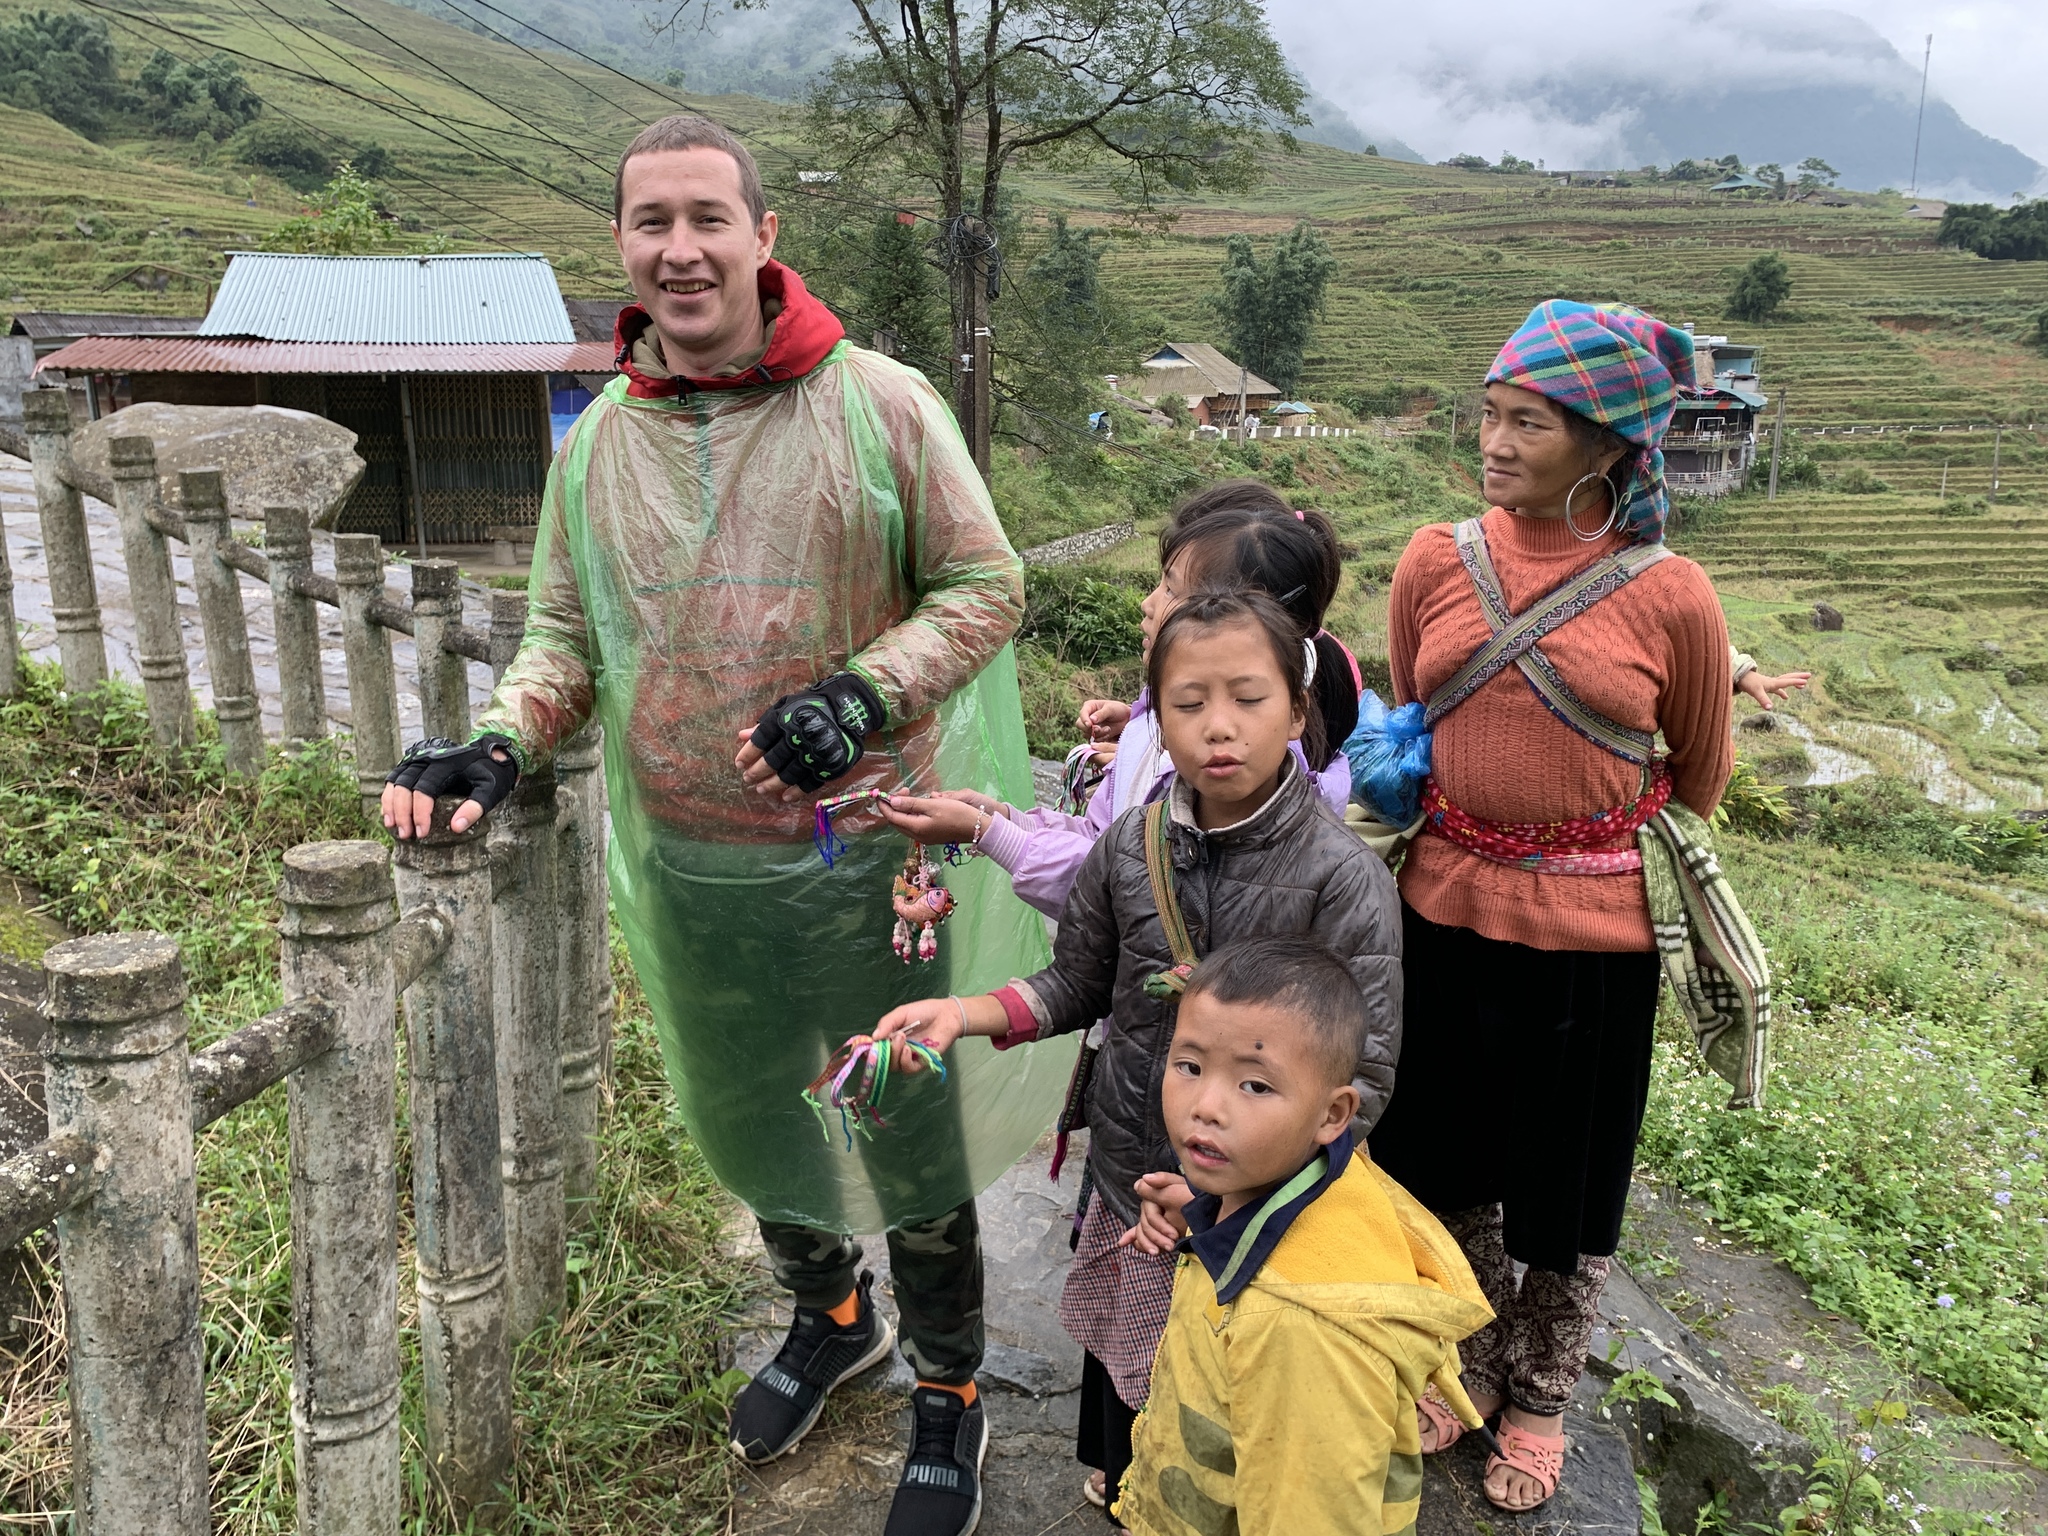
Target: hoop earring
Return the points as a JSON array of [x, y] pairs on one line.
[[1613, 508]]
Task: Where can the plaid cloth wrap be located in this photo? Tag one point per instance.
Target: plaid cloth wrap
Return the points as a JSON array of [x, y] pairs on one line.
[[1616, 365]]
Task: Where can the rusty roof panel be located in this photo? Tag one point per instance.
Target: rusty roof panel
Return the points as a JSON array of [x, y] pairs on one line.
[[215, 354]]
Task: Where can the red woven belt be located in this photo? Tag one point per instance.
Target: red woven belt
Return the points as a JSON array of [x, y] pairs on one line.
[[1600, 844]]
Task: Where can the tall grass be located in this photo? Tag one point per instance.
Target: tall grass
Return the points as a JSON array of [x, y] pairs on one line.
[[619, 1399]]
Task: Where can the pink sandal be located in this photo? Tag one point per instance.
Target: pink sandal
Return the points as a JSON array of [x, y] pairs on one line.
[[1537, 1456], [1450, 1429]]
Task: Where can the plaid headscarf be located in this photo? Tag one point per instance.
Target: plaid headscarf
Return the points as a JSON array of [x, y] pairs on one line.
[[1618, 366]]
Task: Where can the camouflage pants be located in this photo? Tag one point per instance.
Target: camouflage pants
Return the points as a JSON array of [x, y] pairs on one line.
[[935, 1271]]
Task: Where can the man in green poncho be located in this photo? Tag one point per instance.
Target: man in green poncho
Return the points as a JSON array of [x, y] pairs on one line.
[[765, 539]]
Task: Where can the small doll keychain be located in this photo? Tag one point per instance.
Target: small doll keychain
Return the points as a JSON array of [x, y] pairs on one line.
[[922, 903], [920, 898]]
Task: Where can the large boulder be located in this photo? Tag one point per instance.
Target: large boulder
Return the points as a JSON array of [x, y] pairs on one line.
[[267, 456]]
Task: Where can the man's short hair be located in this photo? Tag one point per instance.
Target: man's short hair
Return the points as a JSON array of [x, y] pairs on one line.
[[1299, 976], [686, 130]]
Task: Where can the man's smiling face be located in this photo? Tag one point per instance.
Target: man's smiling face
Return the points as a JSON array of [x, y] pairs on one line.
[[693, 253]]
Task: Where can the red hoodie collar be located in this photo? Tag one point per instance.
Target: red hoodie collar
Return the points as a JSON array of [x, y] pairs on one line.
[[805, 330]]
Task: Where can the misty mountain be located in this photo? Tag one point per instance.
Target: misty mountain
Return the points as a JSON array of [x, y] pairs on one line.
[[1587, 89], [1330, 124]]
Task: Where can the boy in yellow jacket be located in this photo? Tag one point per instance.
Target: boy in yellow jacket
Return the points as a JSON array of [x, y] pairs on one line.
[[1316, 1300]]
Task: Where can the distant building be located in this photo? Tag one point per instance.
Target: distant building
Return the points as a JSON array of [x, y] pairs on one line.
[[445, 367], [1711, 443], [1212, 386], [34, 334], [1742, 182]]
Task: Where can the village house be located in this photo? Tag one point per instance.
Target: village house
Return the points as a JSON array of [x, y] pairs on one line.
[[447, 369], [1711, 443], [33, 334], [1212, 387]]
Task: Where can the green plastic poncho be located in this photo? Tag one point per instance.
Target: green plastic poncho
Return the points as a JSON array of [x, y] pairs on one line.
[[698, 557]]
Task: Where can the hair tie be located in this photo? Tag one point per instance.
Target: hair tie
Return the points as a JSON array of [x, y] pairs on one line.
[[1299, 515], [1308, 671]]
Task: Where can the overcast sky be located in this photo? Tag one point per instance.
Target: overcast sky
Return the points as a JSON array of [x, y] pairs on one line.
[[1451, 78]]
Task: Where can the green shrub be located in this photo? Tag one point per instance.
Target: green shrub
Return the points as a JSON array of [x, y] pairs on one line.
[[287, 151], [1963, 506], [1752, 806], [1761, 287], [1081, 618], [1887, 815], [1856, 480]]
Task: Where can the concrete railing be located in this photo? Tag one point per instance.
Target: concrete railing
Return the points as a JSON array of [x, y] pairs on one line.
[[497, 939]]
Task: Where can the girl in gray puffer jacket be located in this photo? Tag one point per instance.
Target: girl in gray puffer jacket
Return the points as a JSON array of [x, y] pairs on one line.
[[1252, 851]]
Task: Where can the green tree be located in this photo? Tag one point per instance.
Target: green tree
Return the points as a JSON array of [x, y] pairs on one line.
[[897, 289], [1760, 288], [1772, 172], [1169, 95], [343, 221], [287, 151], [2019, 233], [1815, 173], [206, 95], [1269, 308], [1066, 331], [61, 64]]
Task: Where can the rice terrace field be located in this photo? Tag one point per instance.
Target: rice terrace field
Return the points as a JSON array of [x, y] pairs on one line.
[[1886, 831]]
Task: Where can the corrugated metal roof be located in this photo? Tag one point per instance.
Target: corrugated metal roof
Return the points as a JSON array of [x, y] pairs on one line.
[[214, 354], [409, 300], [1197, 359], [52, 328], [594, 319]]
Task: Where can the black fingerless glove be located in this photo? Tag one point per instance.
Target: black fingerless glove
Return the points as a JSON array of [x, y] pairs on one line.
[[438, 766], [813, 737]]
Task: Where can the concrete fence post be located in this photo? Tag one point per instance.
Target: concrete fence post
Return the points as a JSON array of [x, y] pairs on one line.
[[288, 541], [119, 1079], [366, 644], [74, 594], [444, 676], [526, 933], [508, 628], [10, 632], [582, 896], [219, 585], [338, 915], [457, 1192], [153, 592]]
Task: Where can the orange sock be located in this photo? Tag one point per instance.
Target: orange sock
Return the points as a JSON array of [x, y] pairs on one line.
[[847, 1313], [966, 1393]]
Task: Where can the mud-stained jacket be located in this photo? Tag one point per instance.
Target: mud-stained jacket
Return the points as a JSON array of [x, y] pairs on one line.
[[1291, 867], [1289, 1409]]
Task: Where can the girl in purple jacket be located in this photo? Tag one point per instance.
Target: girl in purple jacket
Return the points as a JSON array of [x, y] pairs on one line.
[[1240, 535]]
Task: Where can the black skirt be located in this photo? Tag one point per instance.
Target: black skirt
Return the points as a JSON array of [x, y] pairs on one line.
[[1522, 1082]]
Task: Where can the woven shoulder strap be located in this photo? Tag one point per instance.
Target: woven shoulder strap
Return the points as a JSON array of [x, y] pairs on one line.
[[1515, 638], [1159, 866]]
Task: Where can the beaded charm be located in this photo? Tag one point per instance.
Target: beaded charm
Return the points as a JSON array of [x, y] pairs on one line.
[[921, 903]]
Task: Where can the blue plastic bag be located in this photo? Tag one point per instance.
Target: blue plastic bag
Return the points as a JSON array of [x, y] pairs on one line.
[[1389, 754]]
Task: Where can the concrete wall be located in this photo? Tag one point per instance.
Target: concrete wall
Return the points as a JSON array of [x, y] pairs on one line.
[[17, 362]]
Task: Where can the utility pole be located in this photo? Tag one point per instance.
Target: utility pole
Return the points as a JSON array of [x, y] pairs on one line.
[[1997, 439], [977, 275], [1241, 372], [1452, 452], [1944, 479], [1777, 442], [1926, 60]]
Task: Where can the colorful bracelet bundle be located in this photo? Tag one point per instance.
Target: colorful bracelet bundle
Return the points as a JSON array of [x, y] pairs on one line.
[[824, 836], [854, 1081]]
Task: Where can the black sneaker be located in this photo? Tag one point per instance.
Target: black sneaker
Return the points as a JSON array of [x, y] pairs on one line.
[[778, 1407], [940, 1494]]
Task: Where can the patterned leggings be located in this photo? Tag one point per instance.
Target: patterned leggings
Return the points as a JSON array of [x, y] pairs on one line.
[[1535, 1347]]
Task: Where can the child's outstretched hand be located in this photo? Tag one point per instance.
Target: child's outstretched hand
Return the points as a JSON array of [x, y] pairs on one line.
[[935, 1021], [1104, 719], [1160, 1223], [1761, 688], [949, 816]]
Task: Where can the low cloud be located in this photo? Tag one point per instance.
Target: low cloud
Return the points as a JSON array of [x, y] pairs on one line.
[[1575, 82]]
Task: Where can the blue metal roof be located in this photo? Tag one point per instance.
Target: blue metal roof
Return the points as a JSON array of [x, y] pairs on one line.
[[429, 300]]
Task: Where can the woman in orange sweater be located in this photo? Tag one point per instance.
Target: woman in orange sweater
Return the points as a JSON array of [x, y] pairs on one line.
[[1531, 972]]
